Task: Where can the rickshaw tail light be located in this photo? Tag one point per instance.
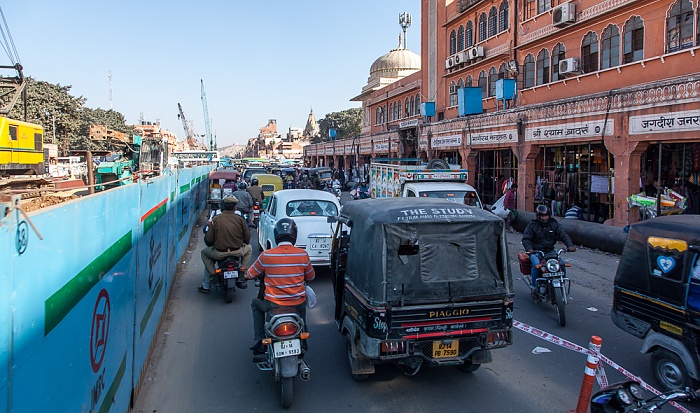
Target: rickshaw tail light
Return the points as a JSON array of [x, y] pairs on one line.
[[497, 338], [285, 329], [393, 346]]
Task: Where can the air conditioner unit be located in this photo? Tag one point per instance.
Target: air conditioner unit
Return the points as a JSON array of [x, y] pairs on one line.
[[564, 14], [476, 52], [449, 62], [460, 58], [569, 65]]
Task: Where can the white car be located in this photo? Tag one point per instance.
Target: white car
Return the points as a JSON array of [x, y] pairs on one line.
[[310, 209]]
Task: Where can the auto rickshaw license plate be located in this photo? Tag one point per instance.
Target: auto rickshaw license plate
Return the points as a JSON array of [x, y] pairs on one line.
[[287, 348], [445, 348], [230, 274]]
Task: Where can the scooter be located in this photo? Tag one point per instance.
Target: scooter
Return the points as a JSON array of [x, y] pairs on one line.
[[284, 342], [256, 213], [226, 275], [629, 397], [552, 284]]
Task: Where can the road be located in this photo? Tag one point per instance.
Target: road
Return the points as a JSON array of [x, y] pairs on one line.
[[201, 360]]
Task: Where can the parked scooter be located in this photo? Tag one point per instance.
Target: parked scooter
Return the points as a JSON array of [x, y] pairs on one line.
[[552, 284], [284, 335], [628, 396]]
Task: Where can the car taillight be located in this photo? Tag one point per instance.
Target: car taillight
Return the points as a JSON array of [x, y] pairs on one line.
[[285, 329]]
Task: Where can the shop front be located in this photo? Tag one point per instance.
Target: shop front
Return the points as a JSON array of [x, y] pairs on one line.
[[495, 165]]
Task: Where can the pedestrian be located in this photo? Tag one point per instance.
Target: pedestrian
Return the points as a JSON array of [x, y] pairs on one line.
[[510, 202], [575, 212]]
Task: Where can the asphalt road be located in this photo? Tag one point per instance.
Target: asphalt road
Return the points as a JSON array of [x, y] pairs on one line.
[[201, 361]]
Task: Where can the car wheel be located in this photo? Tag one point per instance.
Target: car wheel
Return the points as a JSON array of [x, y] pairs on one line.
[[669, 370]]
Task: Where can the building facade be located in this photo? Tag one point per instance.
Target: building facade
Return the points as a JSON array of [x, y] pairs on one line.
[[588, 102]]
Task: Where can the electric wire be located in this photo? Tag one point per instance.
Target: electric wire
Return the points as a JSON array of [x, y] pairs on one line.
[[5, 31]]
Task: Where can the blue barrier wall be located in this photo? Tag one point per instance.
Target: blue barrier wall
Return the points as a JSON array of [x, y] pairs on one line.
[[80, 307]]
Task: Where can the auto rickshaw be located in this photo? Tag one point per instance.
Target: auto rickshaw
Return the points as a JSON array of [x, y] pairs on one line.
[[269, 183], [289, 176], [657, 296], [420, 281], [220, 180], [320, 177]]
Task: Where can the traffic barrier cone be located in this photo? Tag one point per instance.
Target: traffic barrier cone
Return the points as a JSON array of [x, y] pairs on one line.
[[589, 375]]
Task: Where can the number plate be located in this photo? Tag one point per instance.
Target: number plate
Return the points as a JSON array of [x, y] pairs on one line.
[[445, 349], [320, 243], [230, 274], [287, 348]]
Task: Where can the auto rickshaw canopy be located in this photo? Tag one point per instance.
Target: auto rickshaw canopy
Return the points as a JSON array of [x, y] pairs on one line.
[[415, 250]]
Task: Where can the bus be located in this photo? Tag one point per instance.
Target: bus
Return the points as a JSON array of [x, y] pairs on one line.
[[21, 148], [186, 159]]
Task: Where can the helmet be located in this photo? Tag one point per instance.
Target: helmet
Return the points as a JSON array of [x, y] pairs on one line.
[[542, 211], [254, 181], [228, 203], [242, 186], [286, 230]]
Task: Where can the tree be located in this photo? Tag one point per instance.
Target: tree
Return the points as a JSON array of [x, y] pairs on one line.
[[347, 123]]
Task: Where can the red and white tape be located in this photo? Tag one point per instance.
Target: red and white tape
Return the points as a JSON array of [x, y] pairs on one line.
[[600, 372]]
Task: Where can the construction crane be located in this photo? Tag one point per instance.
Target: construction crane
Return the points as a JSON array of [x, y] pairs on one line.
[[189, 131], [207, 121]]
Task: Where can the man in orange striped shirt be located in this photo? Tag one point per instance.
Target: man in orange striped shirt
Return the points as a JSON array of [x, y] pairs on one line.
[[286, 269]]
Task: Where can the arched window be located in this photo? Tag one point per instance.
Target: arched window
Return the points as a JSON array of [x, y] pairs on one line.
[[589, 53], [417, 105], [503, 16], [413, 108], [453, 94], [633, 48], [493, 21], [469, 35], [610, 47], [543, 67], [468, 81], [493, 77], [378, 118], [529, 71], [482, 27], [391, 112], [503, 71], [543, 6], [407, 108], [384, 114], [460, 84], [679, 26], [453, 42], [460, 39], [398, 110], [558, 54], [483, 84]]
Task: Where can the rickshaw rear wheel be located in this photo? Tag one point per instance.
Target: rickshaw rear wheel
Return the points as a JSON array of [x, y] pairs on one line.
[[351, 360], [468, 367], [669, 370]]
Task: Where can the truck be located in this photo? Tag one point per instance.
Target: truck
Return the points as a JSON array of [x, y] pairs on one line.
[[147, 155], [415, 178]]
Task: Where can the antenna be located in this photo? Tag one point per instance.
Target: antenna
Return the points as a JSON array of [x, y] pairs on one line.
[[109, 76], [405, 22]]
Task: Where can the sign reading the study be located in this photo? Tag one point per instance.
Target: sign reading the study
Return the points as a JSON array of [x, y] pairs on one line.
[[592, 129], [670, 122], [506, 136], [446, 141]]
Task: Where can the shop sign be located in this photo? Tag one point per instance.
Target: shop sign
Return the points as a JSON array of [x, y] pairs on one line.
[[670, 122], [339, 150], [329, 151], [366, 148], [320, 151], [446, 141], [381, 147], [408, 124], [504, 136], [310, 152], [423, 143], [591, 129]]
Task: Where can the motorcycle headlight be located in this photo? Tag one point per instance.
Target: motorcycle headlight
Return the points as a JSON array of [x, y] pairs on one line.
[[624, 397], [552, 265], [637, 392]]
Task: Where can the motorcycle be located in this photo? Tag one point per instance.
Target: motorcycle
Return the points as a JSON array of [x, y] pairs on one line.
[[628, 396], [256, 213], [552, 284], [226, 275], [284, 335]]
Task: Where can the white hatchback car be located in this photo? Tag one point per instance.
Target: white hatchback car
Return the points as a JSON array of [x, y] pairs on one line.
[[310, 209]]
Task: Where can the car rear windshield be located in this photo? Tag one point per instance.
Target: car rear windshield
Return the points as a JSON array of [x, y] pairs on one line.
[[460, 197], [305, 208]]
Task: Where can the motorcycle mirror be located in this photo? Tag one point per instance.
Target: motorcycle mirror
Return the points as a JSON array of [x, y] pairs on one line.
[[331, 220]]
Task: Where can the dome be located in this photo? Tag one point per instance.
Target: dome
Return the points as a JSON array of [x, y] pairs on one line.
[[395, 61]]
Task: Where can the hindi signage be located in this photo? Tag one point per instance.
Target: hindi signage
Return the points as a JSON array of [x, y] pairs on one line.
[[381, 147], [504, 136], [408, 124], [446, 141], [591, 129], [366, 148], [670, 122], [423, 143]]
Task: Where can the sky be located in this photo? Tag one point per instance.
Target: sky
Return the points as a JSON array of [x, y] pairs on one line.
[[259, 60]]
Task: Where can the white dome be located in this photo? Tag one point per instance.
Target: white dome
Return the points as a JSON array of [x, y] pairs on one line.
[[395, 61]]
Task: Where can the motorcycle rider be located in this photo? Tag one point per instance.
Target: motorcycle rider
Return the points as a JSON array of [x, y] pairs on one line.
[[245, 202], [540, 235], [227, 236], [286, 269], [257, 193]]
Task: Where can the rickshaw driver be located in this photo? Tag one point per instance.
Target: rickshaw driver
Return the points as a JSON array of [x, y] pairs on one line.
[[286, 269], [540, 235], [227, 236]]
